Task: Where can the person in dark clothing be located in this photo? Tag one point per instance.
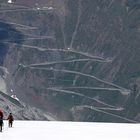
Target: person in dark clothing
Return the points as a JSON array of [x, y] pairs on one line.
[[1, 123], [1, 120], [10, 120]]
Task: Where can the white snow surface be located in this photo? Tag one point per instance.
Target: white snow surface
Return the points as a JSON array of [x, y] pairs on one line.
[[51, 130], [10, 1]]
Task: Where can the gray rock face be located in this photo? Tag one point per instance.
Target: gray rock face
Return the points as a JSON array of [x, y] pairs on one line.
[[77, 59], [20, 110]]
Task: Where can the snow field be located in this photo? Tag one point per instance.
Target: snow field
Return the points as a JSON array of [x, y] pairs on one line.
[[48, 130]]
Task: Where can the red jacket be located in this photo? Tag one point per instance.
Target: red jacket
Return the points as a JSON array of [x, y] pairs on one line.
[[1, 114]]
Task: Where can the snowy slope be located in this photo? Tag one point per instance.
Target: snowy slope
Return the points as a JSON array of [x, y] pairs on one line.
[[44, 130]]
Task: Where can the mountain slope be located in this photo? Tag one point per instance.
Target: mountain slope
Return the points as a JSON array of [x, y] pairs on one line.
[[20, 110], [74, 57]]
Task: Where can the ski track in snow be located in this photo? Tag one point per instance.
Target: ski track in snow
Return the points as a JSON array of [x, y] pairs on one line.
[[61, 62], [112, 109], [82, 74], [94, 88], [77, 24], [32, 38], [102, 111], [13, 5], [98, 88], [69, 50], [24, 10], [97, 58], [20, 25], [24, 28], [82, 95], [100, 108]]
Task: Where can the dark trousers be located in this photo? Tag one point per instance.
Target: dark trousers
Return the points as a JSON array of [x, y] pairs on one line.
[[10, 123], [1, 124], [0, 127]]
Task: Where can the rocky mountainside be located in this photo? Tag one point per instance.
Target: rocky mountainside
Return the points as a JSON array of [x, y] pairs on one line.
[[76, 59], [20, 110]]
